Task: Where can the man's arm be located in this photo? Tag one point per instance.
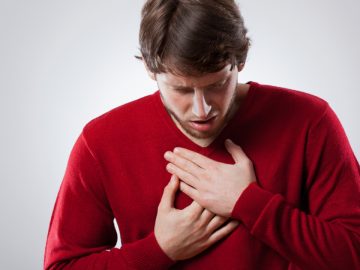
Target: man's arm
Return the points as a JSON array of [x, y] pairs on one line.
[[82, 233], [325, 237]]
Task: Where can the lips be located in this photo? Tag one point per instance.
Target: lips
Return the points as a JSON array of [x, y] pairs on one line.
[[203, 121], [203, 125]]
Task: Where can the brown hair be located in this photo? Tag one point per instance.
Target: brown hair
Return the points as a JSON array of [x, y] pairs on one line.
[[192, 37]]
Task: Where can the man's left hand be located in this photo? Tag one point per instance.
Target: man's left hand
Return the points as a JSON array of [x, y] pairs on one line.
[[214, 185]]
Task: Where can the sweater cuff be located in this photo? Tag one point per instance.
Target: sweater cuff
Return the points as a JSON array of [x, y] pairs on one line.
[[250, 204], [146, 254]]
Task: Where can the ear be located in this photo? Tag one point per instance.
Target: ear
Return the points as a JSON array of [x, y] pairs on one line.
[[151, 74], [240, 66]]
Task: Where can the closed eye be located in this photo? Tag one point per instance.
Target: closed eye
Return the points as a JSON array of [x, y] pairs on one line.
[[183, 90], [218, 86]]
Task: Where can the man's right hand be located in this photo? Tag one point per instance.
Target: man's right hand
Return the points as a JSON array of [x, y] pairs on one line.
[[182, 234]]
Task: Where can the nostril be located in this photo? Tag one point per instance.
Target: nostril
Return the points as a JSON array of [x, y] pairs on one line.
[[200, 107]]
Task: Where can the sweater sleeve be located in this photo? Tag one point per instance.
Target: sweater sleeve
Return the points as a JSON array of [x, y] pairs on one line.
[[81, 233], [326, 235]]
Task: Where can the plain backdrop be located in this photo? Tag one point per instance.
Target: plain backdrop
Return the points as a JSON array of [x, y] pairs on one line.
[[63, 63]]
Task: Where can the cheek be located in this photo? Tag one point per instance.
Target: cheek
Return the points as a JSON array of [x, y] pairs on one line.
[[221, 101], [177, 103], [183, 105], [229, 96]]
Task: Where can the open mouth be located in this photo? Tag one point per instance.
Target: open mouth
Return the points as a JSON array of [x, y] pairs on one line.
[[203, 125], [204, 121]]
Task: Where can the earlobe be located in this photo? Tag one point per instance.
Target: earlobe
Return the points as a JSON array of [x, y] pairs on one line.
[[240, 66], [151, 75]]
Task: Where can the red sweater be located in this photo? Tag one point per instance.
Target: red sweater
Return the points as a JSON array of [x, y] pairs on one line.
[[303, 213]]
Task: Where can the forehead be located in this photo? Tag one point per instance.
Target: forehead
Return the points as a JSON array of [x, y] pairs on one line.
[[195, 81]]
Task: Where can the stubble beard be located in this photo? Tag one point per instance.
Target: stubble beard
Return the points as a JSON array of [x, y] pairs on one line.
[[232, 108]]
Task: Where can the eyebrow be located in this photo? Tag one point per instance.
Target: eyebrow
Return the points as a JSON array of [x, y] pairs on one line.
[[179, 87]]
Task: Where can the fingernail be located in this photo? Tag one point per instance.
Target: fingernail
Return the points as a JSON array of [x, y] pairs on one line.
[[167, 154], [168, 167], [229, 141]]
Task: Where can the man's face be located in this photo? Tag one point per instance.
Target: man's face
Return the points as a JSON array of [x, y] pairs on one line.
[[200, 106]]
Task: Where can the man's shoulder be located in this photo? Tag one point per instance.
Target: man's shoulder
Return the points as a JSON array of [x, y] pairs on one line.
[[121, 118], [289, 101]]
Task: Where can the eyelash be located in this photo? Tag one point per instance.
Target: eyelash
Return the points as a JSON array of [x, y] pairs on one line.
[[183, 91], [214, 88], [219, 87]]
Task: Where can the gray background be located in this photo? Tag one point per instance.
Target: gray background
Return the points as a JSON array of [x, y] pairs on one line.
[[64, 62]]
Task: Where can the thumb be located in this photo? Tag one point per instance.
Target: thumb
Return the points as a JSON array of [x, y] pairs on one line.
[[235, 151], [168, 197]]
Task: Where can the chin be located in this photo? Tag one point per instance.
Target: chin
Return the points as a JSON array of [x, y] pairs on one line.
[[198, 134]]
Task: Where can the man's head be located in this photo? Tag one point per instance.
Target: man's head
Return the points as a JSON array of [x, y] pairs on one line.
[[192, 37], [194, 50]]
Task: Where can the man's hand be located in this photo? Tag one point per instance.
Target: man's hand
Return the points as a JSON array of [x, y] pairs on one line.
[[215, 186], [182, 234]]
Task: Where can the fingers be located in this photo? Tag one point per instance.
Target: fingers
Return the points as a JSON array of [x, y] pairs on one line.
[[235, 150], [168, 197], [196, 158], [207, 216], [194, 209], [224, 231], [189, 190], [182, 174], [216, 223], [183, 163]]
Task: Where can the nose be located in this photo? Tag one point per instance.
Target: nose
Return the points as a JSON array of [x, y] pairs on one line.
[[200, 108]]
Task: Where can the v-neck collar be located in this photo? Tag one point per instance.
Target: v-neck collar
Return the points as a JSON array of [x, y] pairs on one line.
[[185, 142]]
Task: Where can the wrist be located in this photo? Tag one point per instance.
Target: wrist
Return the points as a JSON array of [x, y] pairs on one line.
[[236, 198], [165, 246]]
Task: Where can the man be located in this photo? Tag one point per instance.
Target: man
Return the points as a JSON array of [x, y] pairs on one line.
[[261, 177]]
